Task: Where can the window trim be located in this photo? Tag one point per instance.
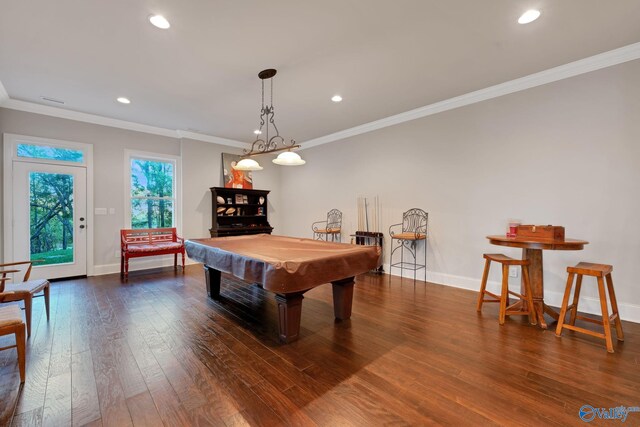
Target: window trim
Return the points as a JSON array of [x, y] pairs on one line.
[[177, 183]]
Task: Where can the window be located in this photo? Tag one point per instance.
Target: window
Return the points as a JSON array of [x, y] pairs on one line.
[[34, 151], [153, 192]]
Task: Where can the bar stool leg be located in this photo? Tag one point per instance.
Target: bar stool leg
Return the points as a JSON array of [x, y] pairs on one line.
[[505, 293], [565, 302], [614, 308], [483, 284], [529, 296], [605, 315], [576, 299]]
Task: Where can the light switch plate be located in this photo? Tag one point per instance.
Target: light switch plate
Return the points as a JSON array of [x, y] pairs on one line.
[[100, 211]]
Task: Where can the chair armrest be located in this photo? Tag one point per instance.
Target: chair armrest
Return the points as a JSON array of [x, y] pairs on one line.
[[4, 272], [9, 264], [180, 240], [315, 228], [392, 231]]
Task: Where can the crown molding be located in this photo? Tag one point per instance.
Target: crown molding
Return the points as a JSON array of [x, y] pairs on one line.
[[603, 60], [4, 96], [62, 113]]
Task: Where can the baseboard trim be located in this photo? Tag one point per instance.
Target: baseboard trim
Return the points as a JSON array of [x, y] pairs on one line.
[[628, 312], [139, 264]]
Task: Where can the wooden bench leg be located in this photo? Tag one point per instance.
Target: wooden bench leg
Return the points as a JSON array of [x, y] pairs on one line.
[[175, 261], [183, 260], [121, 265]]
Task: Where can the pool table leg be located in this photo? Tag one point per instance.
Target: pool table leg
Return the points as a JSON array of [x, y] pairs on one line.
[[289, 313], [342, 298], [212, 278]]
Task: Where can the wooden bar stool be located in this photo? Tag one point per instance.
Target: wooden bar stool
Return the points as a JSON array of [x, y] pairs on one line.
[[601, 272], [11, 324], [525, 301]]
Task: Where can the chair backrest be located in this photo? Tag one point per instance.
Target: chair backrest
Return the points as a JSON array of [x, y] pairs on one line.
[[415, 221], [334, 219]]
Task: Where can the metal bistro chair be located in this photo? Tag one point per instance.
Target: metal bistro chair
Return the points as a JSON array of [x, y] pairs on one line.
[[412, 229], [331, 227]]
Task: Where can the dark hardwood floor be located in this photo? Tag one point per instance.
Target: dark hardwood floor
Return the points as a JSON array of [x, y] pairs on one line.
[[156, 350]]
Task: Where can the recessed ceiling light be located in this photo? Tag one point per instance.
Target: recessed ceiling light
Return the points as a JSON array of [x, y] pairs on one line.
[[257, 131], [159, 21], [336, 98], [529, 16], [123, 100]]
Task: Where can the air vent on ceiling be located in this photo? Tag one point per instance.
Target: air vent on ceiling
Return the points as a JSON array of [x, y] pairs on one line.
[[56, 101]]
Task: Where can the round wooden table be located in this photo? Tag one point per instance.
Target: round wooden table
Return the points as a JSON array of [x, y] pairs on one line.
[[532, 250]]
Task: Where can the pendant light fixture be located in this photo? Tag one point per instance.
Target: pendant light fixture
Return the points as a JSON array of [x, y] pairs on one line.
[[268, 139]]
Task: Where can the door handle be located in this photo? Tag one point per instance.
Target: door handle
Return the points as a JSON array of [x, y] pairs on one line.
[[82, 226], [81, 219]]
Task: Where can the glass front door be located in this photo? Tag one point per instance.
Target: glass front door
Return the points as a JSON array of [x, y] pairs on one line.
[[50, 218]]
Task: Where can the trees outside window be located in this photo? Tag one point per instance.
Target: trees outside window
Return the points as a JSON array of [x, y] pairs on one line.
[[152, 193]]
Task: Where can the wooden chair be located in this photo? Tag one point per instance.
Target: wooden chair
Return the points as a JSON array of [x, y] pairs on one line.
[[23, 291], [526, 301], [600, 272], [331, 227], [11, 323], [406, 234]]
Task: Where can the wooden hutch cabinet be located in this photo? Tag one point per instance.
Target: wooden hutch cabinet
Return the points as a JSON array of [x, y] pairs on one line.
[[243, 212]]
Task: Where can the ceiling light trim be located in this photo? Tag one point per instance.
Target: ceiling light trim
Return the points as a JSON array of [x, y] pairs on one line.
[[592, 63], [62, 113]]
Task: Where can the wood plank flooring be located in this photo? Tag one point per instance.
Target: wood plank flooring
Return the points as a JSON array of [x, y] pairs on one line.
[[156, 350]]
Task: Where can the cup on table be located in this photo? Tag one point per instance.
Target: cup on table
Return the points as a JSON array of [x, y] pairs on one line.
[[512, 228]]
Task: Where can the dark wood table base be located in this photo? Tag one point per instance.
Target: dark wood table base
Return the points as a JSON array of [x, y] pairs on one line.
[[290, 304]]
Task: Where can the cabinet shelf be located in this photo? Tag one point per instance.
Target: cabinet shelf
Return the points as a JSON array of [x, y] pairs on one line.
[[250, 222]]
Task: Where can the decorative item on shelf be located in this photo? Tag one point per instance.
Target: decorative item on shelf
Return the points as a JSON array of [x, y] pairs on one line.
[[229, 200], [260, 211], [238, 199], [261, 200], [220, 200], [245, 199], [264, 143], [230, 211], [221, 210]]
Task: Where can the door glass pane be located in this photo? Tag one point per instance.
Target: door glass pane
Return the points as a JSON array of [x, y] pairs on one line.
[[34, 151], [51, 217], [151, 213]]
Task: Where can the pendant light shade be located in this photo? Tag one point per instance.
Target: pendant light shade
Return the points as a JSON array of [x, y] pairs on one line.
[[288, 158], [248, 165]]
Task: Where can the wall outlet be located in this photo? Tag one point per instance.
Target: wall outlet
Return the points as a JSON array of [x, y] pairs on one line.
[[513, 271]]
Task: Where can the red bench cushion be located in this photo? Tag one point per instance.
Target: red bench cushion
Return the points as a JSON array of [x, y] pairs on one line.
[[160, 246]]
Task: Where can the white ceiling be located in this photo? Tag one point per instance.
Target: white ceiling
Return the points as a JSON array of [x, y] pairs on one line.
[[384, 57]]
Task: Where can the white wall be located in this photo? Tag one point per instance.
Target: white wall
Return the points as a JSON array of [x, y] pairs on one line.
[[566, 153], [201, 165]]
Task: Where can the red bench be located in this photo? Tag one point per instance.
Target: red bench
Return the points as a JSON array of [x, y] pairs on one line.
[[148, 242]]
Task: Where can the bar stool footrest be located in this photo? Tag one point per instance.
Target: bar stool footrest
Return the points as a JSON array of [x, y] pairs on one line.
[[584, 331]]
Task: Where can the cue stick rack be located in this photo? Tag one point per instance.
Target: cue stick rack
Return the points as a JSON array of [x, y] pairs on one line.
[[369, 226]]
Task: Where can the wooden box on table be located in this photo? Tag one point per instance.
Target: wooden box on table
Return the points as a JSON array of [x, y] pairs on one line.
[[541, 232]]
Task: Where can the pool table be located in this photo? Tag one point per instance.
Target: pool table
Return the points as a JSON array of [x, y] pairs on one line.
[[286, 266]]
